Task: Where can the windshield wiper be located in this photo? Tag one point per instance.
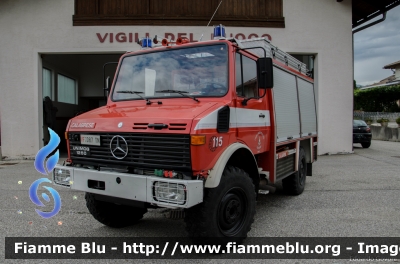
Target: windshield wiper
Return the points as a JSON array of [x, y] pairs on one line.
[[183, 93], [148, 102]]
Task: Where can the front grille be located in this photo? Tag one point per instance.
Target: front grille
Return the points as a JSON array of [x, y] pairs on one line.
[[151, 151]]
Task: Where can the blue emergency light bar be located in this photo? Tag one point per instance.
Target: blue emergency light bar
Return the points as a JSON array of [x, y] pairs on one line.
[[219, 32], [146, 43]]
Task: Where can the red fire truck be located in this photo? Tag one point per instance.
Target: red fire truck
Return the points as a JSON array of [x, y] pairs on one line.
[[202, 127]]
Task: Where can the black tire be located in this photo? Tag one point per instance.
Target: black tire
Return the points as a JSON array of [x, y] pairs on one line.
[[227, 211], [113, 215], [295, 183], [366, 144]]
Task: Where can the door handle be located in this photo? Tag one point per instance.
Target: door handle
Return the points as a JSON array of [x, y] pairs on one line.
[[262, 116]]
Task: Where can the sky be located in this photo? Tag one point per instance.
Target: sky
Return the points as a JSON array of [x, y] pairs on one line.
[[376, 47]]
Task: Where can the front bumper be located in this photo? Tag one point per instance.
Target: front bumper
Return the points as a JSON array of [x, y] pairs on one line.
[[154, 190]]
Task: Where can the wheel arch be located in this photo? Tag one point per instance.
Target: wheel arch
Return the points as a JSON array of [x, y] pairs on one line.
[[237, 155]]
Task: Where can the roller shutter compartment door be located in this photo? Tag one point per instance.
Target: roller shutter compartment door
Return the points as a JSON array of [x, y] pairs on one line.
[[286, 105], [307, 108]]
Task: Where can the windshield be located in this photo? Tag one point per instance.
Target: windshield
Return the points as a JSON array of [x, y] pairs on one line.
[[198, 72]]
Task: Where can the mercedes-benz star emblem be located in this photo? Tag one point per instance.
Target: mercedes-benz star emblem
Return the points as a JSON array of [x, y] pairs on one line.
[[119, 147]]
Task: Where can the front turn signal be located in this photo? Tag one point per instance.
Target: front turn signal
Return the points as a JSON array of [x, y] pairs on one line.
[[197, 140]]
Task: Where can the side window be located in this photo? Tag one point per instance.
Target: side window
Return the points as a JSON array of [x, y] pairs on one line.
[[246, 77]]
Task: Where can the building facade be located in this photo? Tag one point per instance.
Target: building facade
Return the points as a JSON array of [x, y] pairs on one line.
[[395, 67], [57, 48]]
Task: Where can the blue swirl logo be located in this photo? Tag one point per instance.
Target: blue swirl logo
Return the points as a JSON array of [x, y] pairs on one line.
[[39, 166], [45, 151], [35, 199]]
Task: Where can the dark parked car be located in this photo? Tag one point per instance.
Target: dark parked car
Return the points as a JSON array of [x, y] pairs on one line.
[[361, 133]]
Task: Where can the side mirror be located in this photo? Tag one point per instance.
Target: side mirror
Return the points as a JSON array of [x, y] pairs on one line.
[[265, 76], [108, 83]]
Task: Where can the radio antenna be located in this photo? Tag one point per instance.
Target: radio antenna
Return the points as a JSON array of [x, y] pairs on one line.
[[211, 19]]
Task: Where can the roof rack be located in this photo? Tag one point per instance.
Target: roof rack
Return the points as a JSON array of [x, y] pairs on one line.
[[272, 52]]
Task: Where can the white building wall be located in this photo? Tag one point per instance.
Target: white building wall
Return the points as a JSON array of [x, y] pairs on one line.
[[30, 28], [397, 73]]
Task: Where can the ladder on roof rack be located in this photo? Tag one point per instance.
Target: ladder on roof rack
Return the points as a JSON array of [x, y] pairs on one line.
[[272, 52]]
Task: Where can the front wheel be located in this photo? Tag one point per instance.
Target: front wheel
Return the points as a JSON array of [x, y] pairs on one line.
[[227, 210]]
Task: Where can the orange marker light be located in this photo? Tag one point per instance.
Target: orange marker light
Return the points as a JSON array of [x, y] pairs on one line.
[[198, 140], [181, 41], [165, 42], [66, 135]]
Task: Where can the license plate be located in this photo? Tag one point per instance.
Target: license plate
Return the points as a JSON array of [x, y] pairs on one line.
[[90, 140], [80, 151]]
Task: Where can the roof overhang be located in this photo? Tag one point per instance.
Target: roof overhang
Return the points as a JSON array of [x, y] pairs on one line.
[[365, 10], [393, 65]]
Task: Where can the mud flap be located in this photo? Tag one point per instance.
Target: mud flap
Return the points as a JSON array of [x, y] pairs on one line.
[[309, 169]]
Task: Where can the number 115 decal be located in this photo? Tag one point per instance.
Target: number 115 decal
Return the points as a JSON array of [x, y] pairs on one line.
[[215, 142]]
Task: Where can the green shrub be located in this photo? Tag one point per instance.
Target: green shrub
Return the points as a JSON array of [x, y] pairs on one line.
[[380, 99], [398, 120], [382, 120]]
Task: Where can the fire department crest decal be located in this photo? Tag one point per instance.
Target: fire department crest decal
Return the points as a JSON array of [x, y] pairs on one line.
[[211, 145], [259, 141]]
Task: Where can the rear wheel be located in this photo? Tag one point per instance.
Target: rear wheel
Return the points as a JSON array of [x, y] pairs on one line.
[[366, 144], [113, 215], [295, 183], [227, 210]]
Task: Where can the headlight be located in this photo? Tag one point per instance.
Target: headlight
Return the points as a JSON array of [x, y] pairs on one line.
[[172, 193], [62, 176]]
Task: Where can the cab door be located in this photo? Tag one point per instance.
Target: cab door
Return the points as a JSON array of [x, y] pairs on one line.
[[252, 116]]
